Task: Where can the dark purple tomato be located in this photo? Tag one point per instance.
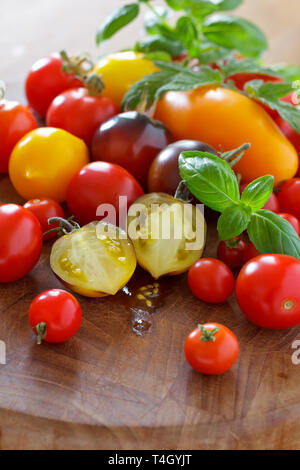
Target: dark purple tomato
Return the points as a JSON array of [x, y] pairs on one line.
[[131, 140], [164, 173]]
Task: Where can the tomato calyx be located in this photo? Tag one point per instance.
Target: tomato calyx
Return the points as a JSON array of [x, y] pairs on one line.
[[2, 90], [81, 66], [233, 242], [182, 192], [234, 156], [208, 335], [66, 226], [41, 329]]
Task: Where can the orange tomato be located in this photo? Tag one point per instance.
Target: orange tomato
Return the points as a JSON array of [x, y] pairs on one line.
[[225, 119]]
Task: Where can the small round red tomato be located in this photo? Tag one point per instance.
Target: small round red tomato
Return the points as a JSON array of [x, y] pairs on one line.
[[250, 252], [231, 253], [43, 209], [292, 220], [272, 203], [211, 349], [20, 242], [101, 183], [267, 291], [211, 280], [46, 80], [290, 134], [55, 316], [131, 140], [15, 121], [79, 113], [289, 197]]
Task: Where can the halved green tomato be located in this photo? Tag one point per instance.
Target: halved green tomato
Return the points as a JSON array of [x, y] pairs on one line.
[[95, 260], [168, 234]]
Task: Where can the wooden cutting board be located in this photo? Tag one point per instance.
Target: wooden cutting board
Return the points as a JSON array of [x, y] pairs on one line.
[[109, 388]]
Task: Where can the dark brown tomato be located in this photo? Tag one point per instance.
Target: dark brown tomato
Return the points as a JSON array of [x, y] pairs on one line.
[[164, 173], [131, 140]]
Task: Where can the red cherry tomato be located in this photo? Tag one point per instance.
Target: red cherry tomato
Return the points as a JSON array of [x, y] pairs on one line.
[[250, 252], [15, 121], [46, 80], [43, 209], [232, 255], [55, 316], [272, 203], [79, 113], [211, 280], [101, 183], [290, 134], [240, 80], [267, 291], [20, 242], [292, 220], [211, 349], [289, 197]]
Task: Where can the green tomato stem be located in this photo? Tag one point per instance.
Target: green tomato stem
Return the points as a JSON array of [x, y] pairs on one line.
[[41, 330]]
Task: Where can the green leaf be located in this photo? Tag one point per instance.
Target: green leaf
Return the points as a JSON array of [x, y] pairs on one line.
[[172, 76], [271, 234], [187, 33], [269, 94], [258, 192], [160, 43], [234, 66], [289, 73], [158, 55], [233, 221], [235, 33], [176, 4], [210, 53], [203, 8], [116, 21], [209, 179], [188, 80]]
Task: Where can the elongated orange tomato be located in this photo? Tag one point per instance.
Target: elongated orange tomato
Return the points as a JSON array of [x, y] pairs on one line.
[[225, 119]]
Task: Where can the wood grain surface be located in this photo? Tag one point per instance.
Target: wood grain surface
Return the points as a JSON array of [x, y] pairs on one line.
[[108, 388]]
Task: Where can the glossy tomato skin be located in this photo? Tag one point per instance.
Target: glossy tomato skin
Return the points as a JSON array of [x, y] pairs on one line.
[[43, 209], [120, 71], [212, 357], [79, 113], [211, 280], [131, 140], [232, 256], [164, 174], [20, 242], [44, 161], [272, 203], [250, 252], [223, 117], [100, 183], [45, 81], [60, 311], [267, 291], [289, 197], [15, 121], [295, 223], [290, 134]]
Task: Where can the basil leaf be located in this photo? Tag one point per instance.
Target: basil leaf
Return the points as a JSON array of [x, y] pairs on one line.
[[188, 80], [116, 21], [271, 234], [235, 33], [160, 43], [258, 192], [171, 77], [269, 94], [158, 55], [176, 4], [210, 53], [202, 8], [289, 73], [233, 221], [188, 34], [209, 179], [234, 66]]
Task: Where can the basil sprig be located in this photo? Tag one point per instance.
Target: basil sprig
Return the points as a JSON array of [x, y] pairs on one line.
[[212, 181]]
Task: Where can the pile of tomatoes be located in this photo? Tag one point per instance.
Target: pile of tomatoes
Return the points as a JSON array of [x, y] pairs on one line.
[[132, 154]]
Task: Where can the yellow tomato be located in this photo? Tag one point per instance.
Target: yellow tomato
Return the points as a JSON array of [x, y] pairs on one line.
[[120, 71], [44, 161]]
